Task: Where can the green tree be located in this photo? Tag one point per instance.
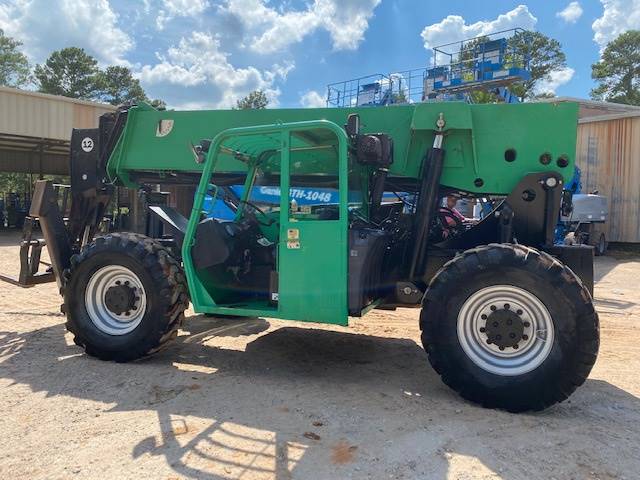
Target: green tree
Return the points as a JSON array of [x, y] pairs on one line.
[[117, 86], [70, 72], [14, 66], [255, 100], [400, 97], [545, 56], [546, 95], [467, 60], [13, 182], [159, 104], [618, 71]]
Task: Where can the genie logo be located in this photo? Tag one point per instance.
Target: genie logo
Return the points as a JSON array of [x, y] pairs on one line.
[[303, 196]]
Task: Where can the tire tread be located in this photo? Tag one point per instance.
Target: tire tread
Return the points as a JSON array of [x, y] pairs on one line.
[[167, 278], [468, 263]]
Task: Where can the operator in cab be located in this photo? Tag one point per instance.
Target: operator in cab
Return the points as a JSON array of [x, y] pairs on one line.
[[451, 220]]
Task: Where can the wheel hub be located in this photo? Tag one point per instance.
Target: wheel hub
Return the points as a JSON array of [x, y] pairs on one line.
[[115, 300], [504, 328], [120, 298]]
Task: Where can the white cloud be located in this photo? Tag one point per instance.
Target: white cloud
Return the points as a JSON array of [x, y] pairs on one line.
[[571, 12], [554, 80], [47, 25], [313, 99], [270, 30], [618, 17], [454, 27], [197, 66], [179, 8]]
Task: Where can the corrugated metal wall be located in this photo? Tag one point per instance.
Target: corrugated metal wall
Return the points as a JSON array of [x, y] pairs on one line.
[[608, 152], [45, 116]]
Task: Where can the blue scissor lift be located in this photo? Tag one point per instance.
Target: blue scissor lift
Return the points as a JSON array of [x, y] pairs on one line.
[[489, 63]]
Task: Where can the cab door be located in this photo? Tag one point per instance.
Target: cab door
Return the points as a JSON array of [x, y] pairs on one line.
[[312, 250]]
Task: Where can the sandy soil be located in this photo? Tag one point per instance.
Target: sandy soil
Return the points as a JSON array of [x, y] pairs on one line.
[[261, 398]]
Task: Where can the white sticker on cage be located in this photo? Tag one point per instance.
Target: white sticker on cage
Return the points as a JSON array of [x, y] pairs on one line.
[[164, 128]]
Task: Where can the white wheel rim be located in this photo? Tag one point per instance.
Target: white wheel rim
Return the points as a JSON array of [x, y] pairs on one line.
[[537, 330], [104, 319]]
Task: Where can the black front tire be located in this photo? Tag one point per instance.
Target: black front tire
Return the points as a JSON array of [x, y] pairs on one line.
[[575, 342], [166, 296]]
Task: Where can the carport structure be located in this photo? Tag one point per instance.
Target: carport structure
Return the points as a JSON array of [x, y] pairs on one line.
[[35, 129]]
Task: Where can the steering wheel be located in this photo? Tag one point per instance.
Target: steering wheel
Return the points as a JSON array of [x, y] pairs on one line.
[[257, 209], [447, 228], [444, 213]]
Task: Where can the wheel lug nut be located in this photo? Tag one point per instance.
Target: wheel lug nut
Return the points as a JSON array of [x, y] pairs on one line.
[[126, 282], [527, 324], [507, 306], [515, 346], [493, 308], [501, 348], [483, 316], [519, 312], [482, 329], [525, 337], [118, 282], [488, 341]]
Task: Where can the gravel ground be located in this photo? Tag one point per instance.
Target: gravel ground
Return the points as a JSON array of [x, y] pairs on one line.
[[261, 398]]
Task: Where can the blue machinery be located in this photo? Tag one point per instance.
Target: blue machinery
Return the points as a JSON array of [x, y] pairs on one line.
[[489, 63]]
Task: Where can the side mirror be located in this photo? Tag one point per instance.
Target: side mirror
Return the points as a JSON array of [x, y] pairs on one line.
[[200, 151], [353, 125]]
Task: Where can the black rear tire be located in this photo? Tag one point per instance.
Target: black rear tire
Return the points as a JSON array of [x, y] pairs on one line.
[[166, 297], [569, 356]]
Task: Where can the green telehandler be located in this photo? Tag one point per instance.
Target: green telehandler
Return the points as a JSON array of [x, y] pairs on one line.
[[507, 317]]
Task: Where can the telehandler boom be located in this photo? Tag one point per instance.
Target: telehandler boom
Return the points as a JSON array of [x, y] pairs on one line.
[[507, 317]]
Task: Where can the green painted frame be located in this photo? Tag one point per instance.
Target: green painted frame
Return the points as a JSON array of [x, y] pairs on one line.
[[201, 300]]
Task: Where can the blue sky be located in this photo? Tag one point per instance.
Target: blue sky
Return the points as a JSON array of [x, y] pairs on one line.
[[208, 53]]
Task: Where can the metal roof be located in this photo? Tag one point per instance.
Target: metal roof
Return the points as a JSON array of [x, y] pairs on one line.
[[609, 117], [598, 111], [30, 114], [35, 128], [57, 98], [593, 103]]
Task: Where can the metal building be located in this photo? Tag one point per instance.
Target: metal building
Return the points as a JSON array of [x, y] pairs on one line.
[[608, 153], [35, 129]]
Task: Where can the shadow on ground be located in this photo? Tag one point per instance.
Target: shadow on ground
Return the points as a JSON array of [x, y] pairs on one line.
[[313, 403]]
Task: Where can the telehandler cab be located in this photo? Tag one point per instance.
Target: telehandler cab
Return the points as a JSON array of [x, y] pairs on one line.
[[507, 317]]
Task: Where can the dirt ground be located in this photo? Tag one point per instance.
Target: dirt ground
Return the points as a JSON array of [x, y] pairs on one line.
[[262, 398]]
